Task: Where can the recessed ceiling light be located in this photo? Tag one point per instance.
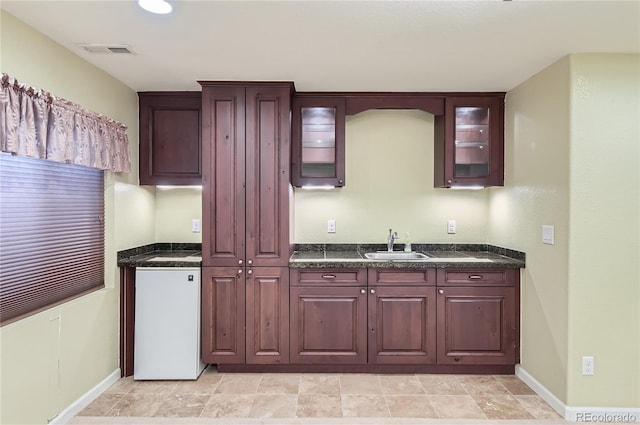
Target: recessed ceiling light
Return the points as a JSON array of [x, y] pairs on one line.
[[155, 6]]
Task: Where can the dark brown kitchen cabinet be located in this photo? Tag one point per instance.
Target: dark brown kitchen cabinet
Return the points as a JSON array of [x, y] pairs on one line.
[[469, 142], [246, 153], [223, 315], [328, 316], [245, 203], [318, 141], [402, 324], [267, 315], [478, 316], [252, 298], [170, 142], [402, 316], [328, 325]]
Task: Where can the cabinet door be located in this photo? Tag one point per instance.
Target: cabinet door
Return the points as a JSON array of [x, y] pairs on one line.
[[267, 310], [170, 138], [223, 315], [469, 144], [402, 324], [223, 192], [476, 325], [318, 132], [267, 175], [328, 325]]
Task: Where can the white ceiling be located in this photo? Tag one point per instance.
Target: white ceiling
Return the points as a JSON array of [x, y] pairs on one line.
[[337, 45]]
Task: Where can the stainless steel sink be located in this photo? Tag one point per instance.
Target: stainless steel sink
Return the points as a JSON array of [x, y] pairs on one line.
[[395, 255]]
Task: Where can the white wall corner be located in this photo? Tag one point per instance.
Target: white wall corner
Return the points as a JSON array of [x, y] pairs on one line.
[[579, 414], [74, 408]]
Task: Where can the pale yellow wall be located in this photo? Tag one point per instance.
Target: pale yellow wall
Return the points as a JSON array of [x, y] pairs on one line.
[[572, 155], [389, 184], [80, 337], [175, 209], [604, 255], [536, 192]]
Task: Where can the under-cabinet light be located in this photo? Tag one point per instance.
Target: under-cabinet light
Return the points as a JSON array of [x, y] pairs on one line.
[[160, 7], [318, 187], [466, 187], [169, 187]]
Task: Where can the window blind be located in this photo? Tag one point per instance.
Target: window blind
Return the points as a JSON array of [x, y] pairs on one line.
[[51, 234]]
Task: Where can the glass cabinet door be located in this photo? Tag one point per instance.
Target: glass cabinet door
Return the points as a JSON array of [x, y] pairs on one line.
[[318, 142], [318, 126], [471, 141]]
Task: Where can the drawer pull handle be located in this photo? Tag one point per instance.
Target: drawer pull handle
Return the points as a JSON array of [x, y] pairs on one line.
[[328, 276], [475, 276]]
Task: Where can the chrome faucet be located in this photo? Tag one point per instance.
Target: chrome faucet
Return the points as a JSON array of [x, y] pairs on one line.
[[393, 236]]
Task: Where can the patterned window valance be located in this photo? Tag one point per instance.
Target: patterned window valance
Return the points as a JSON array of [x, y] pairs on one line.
[[37, 124]]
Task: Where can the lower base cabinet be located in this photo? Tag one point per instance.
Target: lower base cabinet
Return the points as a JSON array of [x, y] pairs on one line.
[[478, 316], [402, 325], [223, 315], [384, 317], [328, 325], [476, 325], [245, 315]]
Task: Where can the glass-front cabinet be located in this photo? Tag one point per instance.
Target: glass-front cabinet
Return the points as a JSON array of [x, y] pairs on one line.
[[318, 125], [471, 142]]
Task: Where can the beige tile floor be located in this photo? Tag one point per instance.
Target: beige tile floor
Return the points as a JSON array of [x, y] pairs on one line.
[[219, 395]]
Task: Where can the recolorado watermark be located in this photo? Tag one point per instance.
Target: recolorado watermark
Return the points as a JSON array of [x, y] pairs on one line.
[[606, 417]]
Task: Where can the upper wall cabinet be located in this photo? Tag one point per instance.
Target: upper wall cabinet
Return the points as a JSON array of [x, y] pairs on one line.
[[318, 126], [170, 147], [469, 142]]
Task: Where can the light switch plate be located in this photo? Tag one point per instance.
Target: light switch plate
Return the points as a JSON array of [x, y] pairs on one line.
[[451, 227], [548, 234]]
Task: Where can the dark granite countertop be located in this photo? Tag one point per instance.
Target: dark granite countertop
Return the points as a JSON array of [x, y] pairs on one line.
[[162, 255], [478, 256]]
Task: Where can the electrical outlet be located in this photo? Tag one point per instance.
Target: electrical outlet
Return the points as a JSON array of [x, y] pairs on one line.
[[331, 226], [548, 234], [587, 365], [451, 226], [195, 225]]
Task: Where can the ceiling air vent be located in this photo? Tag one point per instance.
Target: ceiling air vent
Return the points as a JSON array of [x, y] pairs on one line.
[[107, 48]]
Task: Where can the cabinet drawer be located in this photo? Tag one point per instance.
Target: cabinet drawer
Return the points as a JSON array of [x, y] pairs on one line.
[[482, 277], [402, 277], [328, 277]]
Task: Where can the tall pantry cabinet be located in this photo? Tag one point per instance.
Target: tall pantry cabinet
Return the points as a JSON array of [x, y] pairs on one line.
[[245, 240]]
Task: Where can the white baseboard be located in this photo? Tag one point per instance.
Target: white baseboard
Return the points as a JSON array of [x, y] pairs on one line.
[[579, 414], [74, 408], [553, 401]]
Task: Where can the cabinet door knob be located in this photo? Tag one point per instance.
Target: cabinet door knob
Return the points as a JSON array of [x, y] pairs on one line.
[[475, 276], [373, 291], [441, 291], [240, 271], [240, 262], [249, 262], [363, 291], [249, 271]]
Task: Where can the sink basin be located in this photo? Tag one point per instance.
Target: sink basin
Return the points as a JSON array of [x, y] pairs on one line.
[[395, 255]]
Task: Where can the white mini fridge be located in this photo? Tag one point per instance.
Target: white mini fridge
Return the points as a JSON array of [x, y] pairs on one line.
[[167, 324]]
